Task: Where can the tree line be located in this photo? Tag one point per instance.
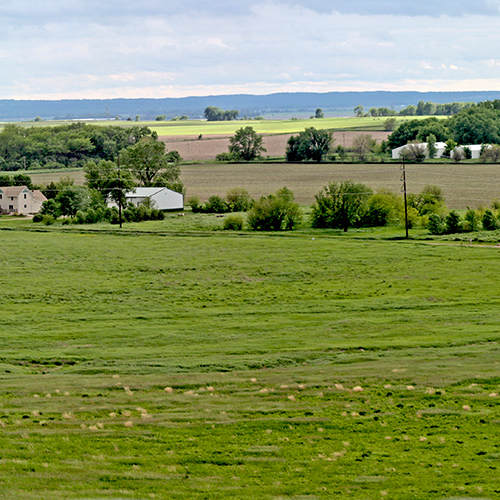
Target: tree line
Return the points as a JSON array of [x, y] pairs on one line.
[[64, 146], [421, 109], [477, 124]]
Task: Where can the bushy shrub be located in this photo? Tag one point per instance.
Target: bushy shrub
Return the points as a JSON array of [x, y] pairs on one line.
[[490, 222], [238, 200], [224, 157], [471, 221], [48, 219], [436, 224], [383, 208], [37, 218], [340, 205], [216, 205], [429, 201], [452, 222], [276, 212], [233, 222], [195, 203]]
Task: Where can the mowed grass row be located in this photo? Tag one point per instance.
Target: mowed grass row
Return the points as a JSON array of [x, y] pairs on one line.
[[463, 185], [148, 366]]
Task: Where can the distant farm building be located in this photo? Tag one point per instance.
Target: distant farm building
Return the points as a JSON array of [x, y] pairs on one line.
[[20, 200], [475, 149], [157, 197]]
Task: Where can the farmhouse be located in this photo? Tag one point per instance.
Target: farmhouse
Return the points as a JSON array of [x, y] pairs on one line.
[[475, 150], [20, 200], [159, 197]]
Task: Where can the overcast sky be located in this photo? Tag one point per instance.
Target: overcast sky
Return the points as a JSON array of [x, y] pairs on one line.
[[59, 49]]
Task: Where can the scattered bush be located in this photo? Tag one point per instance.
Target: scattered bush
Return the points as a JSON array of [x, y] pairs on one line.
[[195, 203], [233, 222], [490, 222], [340, 205], [452, 222], [471, 221], [216, 205], [276, 212], [48, 219], [383, 208], [238, 200], [224, 157], [436, 224], [491, 153]]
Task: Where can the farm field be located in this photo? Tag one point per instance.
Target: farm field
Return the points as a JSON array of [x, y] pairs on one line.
[[462, 184], [246, 366], [193, 149], [196, 127]]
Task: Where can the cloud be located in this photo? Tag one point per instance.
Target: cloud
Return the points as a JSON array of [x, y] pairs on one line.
[[161, 48]]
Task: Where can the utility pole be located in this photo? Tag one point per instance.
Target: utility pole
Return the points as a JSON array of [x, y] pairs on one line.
[[120, 194], [403, 179]]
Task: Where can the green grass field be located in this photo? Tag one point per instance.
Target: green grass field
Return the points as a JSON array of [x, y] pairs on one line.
[[313, 365], [196, 127]]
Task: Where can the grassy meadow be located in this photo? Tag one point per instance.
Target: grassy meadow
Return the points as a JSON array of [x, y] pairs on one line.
[[196, 127], [199, 364]]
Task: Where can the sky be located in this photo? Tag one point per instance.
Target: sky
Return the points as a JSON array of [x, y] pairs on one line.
[[95, 49]]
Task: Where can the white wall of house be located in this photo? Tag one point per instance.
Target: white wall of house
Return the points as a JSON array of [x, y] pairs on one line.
[[20, 200]]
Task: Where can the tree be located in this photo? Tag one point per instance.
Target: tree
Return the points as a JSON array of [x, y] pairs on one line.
[[340, 205], [71, 199], [319, 113], [414, 152], [431, 145], [213, 114], [362, 145], [152, 165], [108, 180], [246, 144], [359, 111], [311, 144], [276, 212], [491, 154], [390, 123]]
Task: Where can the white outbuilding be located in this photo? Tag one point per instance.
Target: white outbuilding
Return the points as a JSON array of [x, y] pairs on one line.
[[159, 197], [440, 149], [475, 149]]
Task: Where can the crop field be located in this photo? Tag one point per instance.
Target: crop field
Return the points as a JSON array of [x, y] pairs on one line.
[[191, 148], [196, 127], [312, 365], [463, 185]]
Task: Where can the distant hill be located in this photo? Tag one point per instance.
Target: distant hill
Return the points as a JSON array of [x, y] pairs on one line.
[[251, 105]]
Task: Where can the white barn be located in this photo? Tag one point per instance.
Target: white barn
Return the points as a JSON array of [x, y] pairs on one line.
[[159, 197]]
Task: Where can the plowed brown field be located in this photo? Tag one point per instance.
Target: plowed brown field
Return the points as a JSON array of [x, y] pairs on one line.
[[193, 149]]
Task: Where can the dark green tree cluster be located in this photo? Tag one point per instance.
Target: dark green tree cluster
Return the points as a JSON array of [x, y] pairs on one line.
[[215, 114], [25, 148], [418, 130], [474, 124], [16, 180], [473, 220], [309, 145]]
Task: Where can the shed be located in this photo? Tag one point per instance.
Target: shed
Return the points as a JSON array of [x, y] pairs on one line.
[[159, 197]]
